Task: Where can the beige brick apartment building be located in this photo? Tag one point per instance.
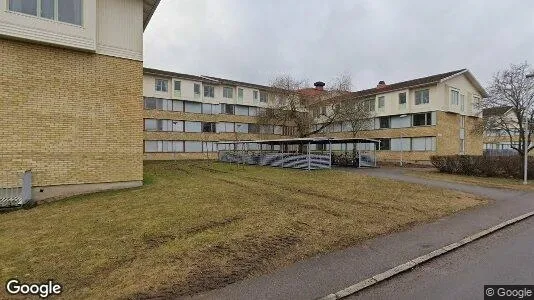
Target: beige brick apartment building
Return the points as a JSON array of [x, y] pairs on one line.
[[71, 76], [185, 114]]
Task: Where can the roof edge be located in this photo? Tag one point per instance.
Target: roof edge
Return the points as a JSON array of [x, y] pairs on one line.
[[148, 17]]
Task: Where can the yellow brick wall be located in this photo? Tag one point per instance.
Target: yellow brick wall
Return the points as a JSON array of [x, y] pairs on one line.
[[71, 117]]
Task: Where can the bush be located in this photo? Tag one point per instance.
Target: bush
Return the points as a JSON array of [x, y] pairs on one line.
[[486, 166]]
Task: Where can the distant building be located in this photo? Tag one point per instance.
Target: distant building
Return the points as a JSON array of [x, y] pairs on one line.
[[71, 74], [184, 115]]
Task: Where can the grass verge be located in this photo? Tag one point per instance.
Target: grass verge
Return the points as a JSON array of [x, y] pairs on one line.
[[493, 182], [201, 225]]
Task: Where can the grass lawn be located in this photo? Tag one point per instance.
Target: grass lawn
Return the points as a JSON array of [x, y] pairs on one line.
[[200, 225], [494, 182]]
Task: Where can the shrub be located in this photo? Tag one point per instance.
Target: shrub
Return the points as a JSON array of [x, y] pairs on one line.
[[486, 166]]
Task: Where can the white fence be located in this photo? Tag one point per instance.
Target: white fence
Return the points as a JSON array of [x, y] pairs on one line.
[[15, 188]]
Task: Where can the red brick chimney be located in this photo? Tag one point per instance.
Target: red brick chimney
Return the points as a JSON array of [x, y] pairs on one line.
[[381, 84], [319, 85]]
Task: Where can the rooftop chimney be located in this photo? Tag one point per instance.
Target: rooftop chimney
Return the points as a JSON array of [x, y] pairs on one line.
[[319, 85], [381, 84]]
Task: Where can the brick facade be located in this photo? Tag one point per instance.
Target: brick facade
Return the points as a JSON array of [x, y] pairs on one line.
[[69, 116]]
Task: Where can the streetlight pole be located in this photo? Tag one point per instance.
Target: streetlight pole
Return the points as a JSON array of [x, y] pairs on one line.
[[525, 151], [526, 144]]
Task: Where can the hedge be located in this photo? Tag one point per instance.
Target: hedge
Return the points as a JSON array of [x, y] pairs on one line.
[[485, 166]]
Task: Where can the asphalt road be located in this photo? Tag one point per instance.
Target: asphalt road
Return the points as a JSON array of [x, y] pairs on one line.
[[504, 257]]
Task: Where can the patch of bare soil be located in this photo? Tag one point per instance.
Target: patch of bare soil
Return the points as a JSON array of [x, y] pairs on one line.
[[226, 263]]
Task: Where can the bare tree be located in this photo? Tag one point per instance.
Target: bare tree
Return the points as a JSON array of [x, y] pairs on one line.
[[512, 89], [309, 110]]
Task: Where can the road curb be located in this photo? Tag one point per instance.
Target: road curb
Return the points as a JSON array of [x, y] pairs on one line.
[[419, 260]]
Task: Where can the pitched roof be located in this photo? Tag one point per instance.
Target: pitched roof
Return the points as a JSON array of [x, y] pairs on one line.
[[149, 7], [205, 79], [428, 80], [163, 73], [495, 111], [238, 83]]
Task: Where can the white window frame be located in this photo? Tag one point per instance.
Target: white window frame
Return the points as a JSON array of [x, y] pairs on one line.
[[160, 86], [264, 97], [211, 91], [56, 12], [422, 100], [381, 103], [228, 92], [455, 97]]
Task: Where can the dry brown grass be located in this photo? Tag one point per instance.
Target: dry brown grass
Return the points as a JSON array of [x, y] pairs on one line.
[[201, 225], [494, 182]]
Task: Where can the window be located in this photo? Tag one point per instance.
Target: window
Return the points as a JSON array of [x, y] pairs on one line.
[[70, 11], [401, 121], [253, 128], [369, 104], [227, 109], [241, 127], [240, 94], [208, 127], [385, 144], [278, 129], [422, 97], [252, 111], [48, 9], [193, 107], [455, 97], [241, 110], [192, 126], [151, 146], [162, 85], [164, 146], [177, 85], [402, 100], [150, 103], [24, 6], [177, 105], [422, 119], [151, 125], [228, 92], [400, 143], [384, 122], [192, 146], [266, 129], [424, 144], [196, 89], [225, 127], [263, 97], [381, 103], [209, 91], [178, 126], [255, 96]]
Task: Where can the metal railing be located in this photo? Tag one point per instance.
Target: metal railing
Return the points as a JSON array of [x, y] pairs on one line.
[[15, 188]]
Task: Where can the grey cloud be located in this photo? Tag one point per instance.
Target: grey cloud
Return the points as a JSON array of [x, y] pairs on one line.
[[316, 40]]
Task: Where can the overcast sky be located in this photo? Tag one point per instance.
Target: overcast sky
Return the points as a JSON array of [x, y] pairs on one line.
[[254, 41]]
